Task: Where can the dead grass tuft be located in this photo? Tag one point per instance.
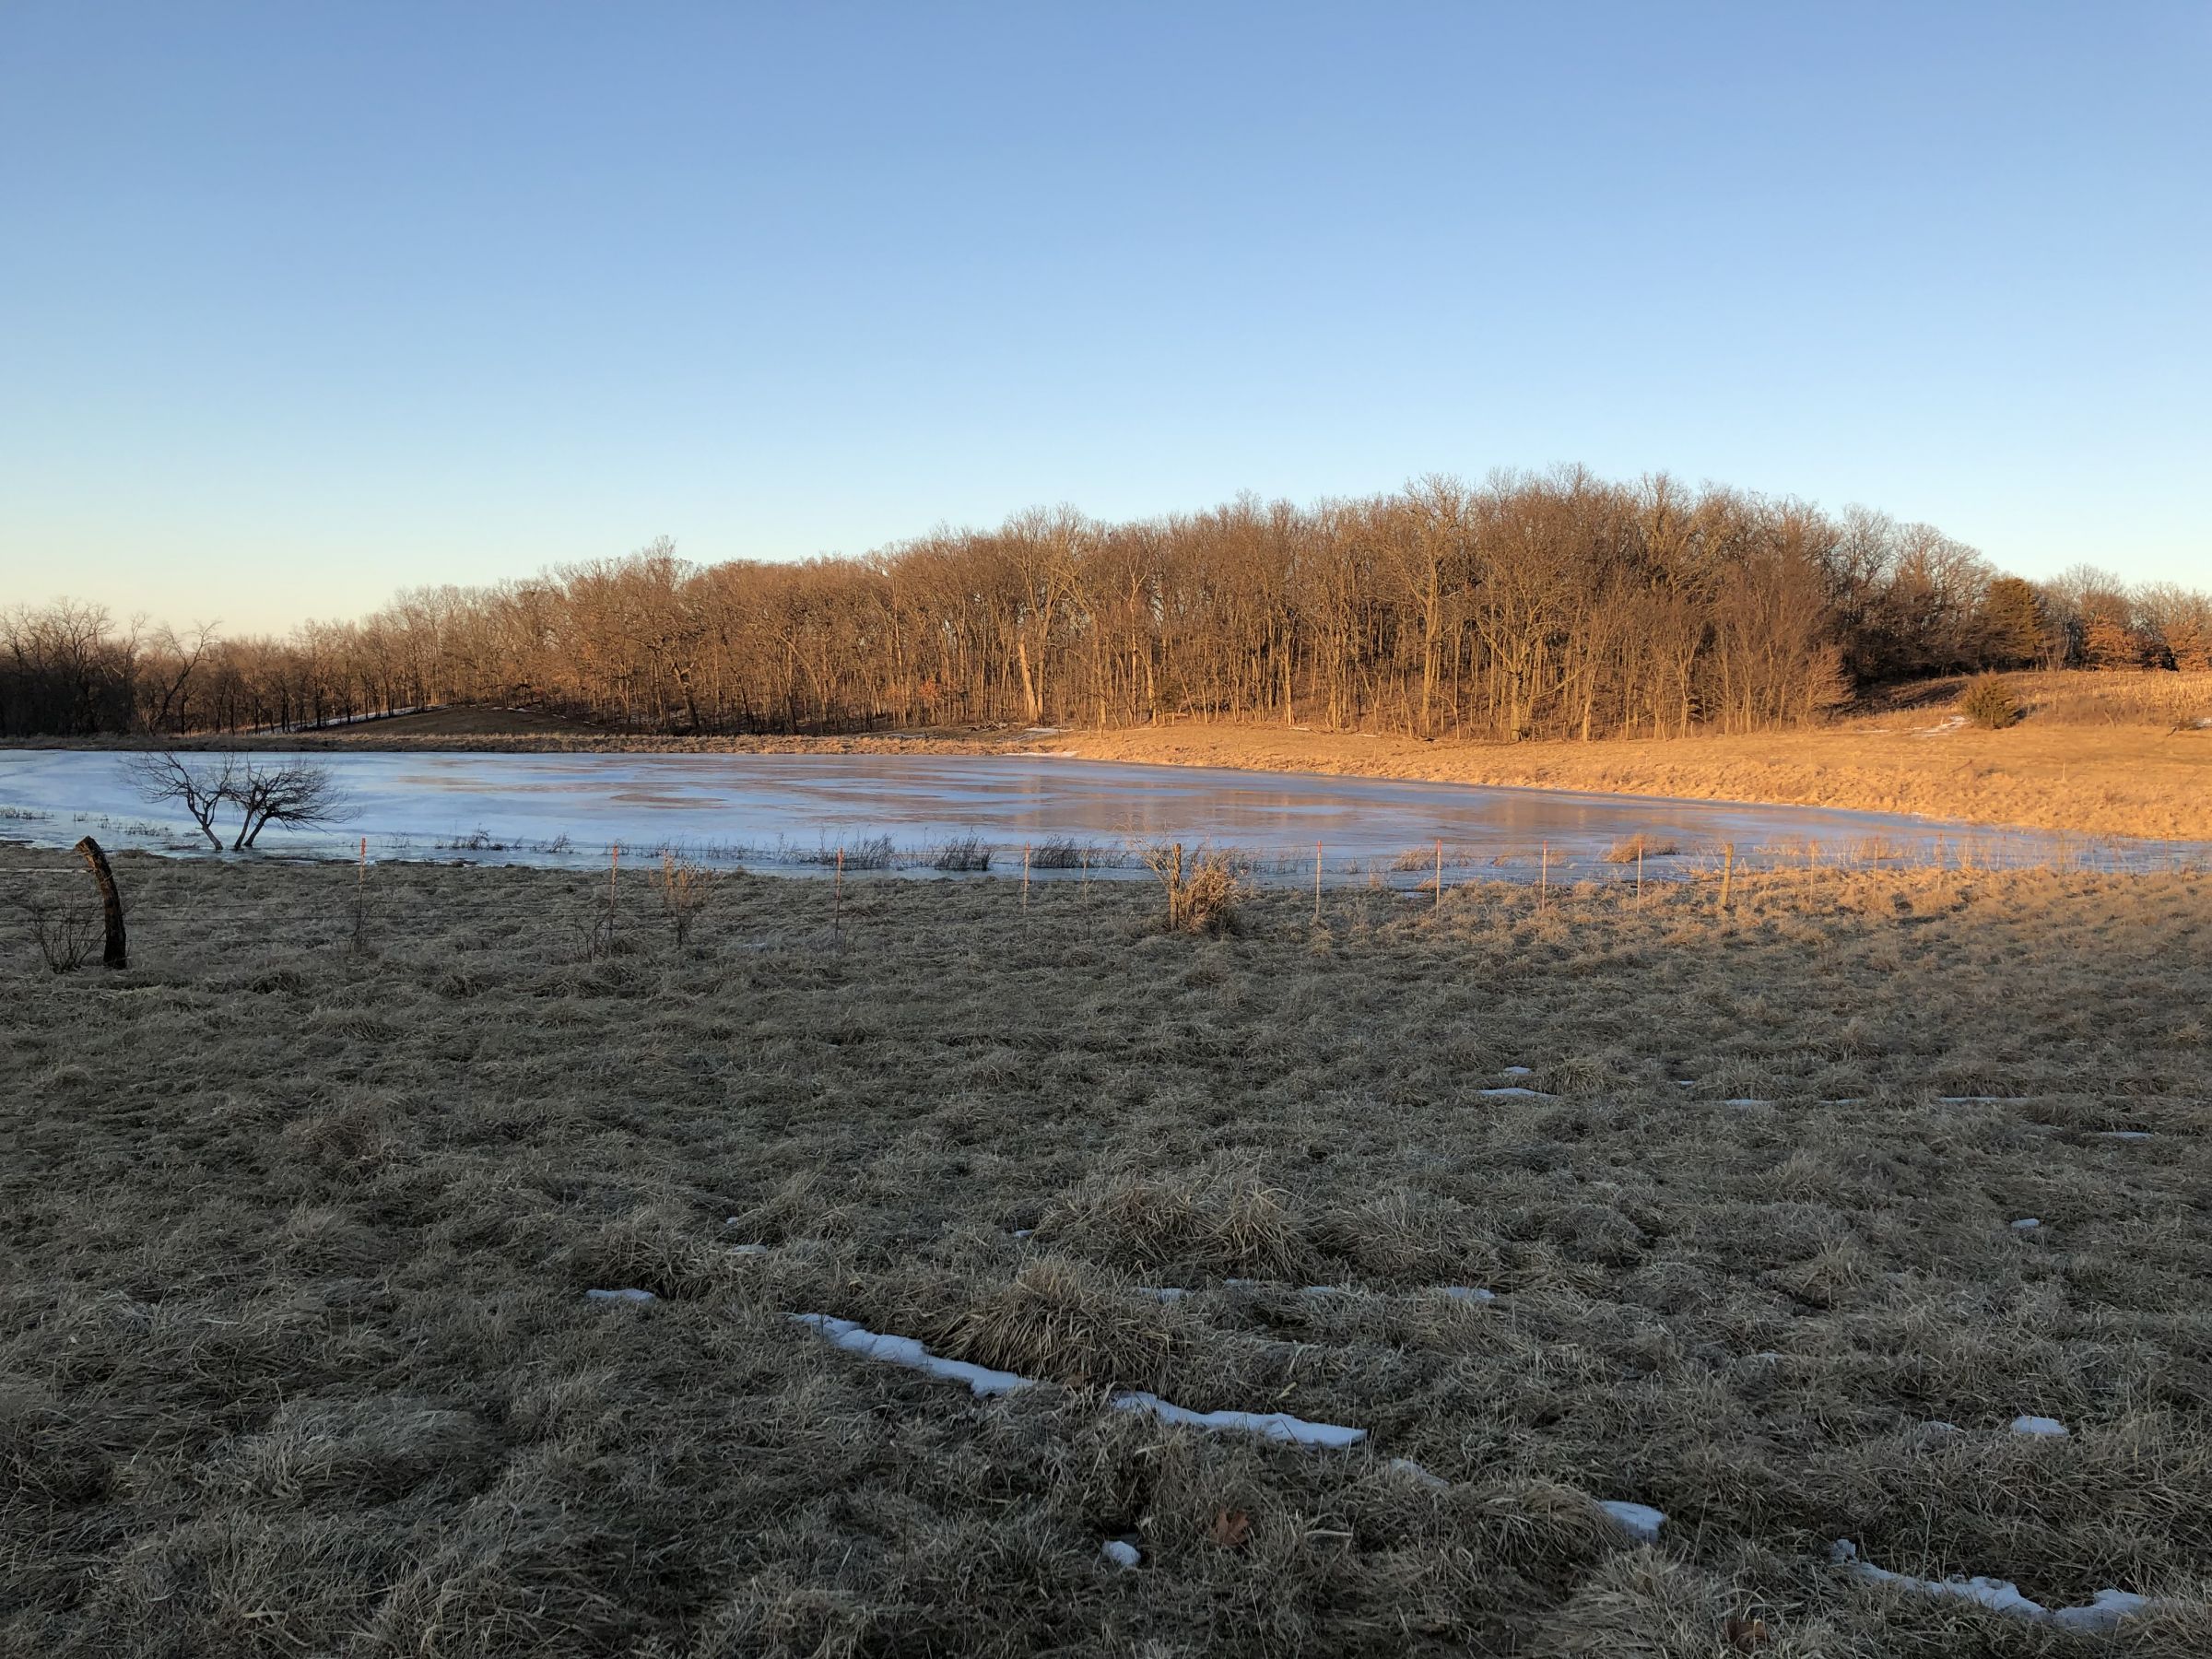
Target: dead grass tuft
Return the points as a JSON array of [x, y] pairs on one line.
[[1222, 1220], [1067, 1321]]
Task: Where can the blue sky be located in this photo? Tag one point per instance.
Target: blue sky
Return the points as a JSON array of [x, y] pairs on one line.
[[302, 304]]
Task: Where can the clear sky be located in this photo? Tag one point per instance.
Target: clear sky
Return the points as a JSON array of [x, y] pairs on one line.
[[300, 303]]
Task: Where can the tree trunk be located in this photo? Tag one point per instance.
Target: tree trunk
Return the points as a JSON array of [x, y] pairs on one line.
[[116, 952]]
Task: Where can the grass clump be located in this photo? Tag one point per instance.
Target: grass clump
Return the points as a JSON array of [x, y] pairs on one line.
[[1066, 853], [1642, 844], [1065, 1322], [1221, 1220], [1202, 890], [963, 855]]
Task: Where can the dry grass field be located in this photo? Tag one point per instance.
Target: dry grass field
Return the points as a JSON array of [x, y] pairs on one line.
[[296, 1236], [2102, 754]]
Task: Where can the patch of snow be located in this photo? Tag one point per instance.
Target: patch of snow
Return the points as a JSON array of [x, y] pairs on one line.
[[1982, 1100], [2103, 1611], [627, 1294], [1518, 1071], [1025, 1232], [984, 1383], [1744, 1103], [2044, 1427], [2001, 1594], [748, 1249], [1472, 1293], [2024, 1224], [1684, 1082], [1847, 1100], [1418, 1475], [1162, 1293], [1637, 1520], [1513, 1091], [1269, 1425], [2123, 1134], [1120, 1552]]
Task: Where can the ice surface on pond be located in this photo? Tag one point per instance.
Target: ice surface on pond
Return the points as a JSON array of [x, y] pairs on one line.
[[1637, 1520], [782, 811]]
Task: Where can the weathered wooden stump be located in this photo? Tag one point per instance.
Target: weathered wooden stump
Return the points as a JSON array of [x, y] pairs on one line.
[[115, 952]]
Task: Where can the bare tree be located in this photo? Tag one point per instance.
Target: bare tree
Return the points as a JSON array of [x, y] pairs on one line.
[[292, 794], [199, 785]]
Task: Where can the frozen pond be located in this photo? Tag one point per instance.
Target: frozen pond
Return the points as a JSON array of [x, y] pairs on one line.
[[795, 812]]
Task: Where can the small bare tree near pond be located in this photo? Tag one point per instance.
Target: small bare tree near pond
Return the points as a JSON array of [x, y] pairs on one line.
[[290, 794]]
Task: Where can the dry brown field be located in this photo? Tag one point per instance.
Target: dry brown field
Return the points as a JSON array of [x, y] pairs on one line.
[[297, 1225], [2119, 755]]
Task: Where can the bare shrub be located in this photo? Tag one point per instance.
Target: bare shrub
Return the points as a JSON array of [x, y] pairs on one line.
[[1201, 889], [1990, 702], [67, 935], [684, 889], [962, 855]]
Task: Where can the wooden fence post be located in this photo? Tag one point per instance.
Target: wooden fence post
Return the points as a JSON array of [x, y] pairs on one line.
[[115, 950]]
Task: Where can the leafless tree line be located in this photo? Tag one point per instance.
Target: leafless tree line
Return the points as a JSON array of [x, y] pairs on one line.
[[1552, 606]]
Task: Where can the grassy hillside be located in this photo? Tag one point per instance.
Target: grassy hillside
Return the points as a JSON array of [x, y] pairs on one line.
[[296, 1236]]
